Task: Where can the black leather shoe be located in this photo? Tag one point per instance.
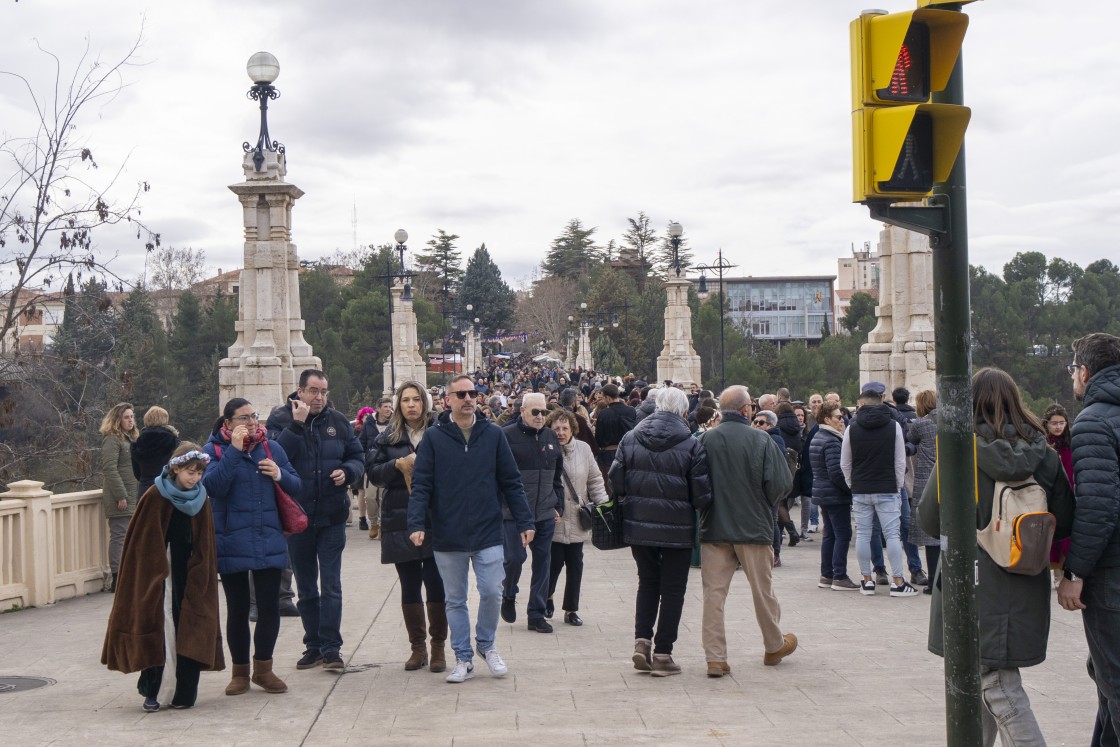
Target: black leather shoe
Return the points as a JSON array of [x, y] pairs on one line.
[[541, 626], [549, 609], [288, 610], [509, 610], [572, 619]]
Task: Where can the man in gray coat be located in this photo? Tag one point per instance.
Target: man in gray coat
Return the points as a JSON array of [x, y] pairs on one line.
[[749, 476]]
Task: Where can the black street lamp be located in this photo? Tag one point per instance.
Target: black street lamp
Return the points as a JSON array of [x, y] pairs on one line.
[[613, 311], [675, 233], [718, 267], [263, 70]]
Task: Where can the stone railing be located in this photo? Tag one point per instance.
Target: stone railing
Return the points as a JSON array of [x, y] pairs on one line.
[[52, 547]]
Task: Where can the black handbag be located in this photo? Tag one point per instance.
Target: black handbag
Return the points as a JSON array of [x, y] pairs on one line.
[[584, 513], [606, 525]]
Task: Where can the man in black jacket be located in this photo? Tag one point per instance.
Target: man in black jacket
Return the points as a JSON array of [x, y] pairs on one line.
[[321, 446], [541, 462], [615, 421], [1092, 567]]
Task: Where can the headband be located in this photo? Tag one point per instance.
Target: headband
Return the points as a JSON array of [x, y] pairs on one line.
[[189, 456]]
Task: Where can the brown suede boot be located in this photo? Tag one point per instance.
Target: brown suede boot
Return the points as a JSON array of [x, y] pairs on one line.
[[240, 682], [374, 531], [437, 629], [264, 678], [417, 635]]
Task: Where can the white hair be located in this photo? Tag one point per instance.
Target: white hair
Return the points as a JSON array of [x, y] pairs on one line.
[[672, 400]]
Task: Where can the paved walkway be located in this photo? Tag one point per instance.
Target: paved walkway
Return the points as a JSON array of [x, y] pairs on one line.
[[862, 676]]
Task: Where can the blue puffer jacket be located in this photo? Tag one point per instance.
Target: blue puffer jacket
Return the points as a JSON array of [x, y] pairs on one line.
[[246, 523], [317, 447], [829, 486], [463, 486], [1095, 541]]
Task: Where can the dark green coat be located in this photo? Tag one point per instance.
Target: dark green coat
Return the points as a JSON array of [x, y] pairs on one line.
[[749, 475], [1013, 610]]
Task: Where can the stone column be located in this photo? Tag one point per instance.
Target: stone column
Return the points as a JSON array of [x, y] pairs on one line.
[[583, 354], [406, 363], [678, 361], [900, 350], [264, 362], [36, 545]]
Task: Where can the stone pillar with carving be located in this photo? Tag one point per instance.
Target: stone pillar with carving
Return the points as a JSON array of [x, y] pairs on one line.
[[406, 364], [583, 353], [678, 361], [900, 350], [264, 362]]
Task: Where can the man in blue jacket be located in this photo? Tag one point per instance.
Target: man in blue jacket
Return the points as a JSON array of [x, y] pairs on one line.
[[1092, 567], [326, 455], [464, 473]]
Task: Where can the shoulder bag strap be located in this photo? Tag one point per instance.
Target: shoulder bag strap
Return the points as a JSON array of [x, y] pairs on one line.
[[571, 487]]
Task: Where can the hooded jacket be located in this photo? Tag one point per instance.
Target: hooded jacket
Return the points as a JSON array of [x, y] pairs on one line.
[[1013, 609], [829, 486], [661, 474], [541, 462], [316, 448], [150, 453], [1095, 542], [749, 475], [464, 485]]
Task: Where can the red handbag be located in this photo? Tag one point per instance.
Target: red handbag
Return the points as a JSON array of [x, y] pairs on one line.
[[293, 519]]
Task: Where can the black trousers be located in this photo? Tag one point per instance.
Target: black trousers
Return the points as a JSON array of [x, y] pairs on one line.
[[420, 573], [236, 588], [568, 556], [662, 578]]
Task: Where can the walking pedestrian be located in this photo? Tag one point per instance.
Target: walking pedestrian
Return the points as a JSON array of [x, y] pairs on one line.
[[118, 493]]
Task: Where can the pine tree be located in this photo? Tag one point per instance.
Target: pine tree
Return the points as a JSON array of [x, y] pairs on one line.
[[141, 363], [493, 300], [438, 268], [663, 257], [573, 252], [639, 242]]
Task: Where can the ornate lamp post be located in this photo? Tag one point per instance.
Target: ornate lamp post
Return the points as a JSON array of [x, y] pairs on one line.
[[675, 233], [718, 267], [391, 275], [678, 361], [263, 69]]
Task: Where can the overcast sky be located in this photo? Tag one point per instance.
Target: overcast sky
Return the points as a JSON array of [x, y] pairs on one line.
[[500, 120]]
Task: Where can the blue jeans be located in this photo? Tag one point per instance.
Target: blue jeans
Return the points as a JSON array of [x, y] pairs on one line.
[[541, 547], [316, 557], [913, 559], [1006, 710], [1101, 618], [836, 538], [886, 506], [453, 568]]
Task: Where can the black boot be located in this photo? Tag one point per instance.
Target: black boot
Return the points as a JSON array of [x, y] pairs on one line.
[[113, 585], [794, 537]]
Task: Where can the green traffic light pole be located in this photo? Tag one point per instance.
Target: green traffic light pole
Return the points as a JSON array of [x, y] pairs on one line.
[[945, 221], [956, 457]]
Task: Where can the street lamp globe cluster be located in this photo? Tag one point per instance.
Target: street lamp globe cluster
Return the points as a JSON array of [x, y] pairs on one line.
[[263, 69]]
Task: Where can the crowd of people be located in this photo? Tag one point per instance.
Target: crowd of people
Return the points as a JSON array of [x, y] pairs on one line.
[[492, 471]]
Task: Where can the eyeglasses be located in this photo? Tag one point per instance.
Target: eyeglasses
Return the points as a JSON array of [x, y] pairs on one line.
[[317, 392], [537, 413], [1073, 367], [467, 393], [245, 418]]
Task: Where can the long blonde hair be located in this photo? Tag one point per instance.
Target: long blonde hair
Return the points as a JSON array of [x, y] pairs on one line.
[[111, 424], [398, 427]]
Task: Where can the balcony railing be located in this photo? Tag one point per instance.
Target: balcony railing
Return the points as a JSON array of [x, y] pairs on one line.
[[52, 547]]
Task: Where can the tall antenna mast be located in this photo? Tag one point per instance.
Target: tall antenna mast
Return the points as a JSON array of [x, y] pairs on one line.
[[354, 223]]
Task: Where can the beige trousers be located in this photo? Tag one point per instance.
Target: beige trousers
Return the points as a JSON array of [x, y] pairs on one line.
[[718, 563]]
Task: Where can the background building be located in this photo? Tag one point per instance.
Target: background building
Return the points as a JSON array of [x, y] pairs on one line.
[[780, 309], [858, 273]]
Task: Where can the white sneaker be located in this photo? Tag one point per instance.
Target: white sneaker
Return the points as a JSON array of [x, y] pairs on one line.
[[813, 528], [463, 671], [498, 667]]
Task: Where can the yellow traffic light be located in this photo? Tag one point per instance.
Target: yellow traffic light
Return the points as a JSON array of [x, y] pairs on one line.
[[901, 144]]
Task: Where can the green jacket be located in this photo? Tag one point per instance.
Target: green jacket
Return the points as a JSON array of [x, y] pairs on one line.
[[1013, 610], [749, 476], [116, 465]]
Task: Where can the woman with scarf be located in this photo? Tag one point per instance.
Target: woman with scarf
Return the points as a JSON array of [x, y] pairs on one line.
[[239, 479], [389, 466], [168, 566]]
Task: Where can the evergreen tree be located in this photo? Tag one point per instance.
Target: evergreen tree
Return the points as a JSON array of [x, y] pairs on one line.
[[860, 319], [663, 257], [639, 243], [573, 252], [438, 268], [493, 300], [141, 360], [606, 356]]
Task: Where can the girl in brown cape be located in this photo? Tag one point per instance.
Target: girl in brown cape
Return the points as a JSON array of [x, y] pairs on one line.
[[166, 606]]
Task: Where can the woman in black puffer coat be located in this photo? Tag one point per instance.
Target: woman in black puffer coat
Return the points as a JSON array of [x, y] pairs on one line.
[[660, 474], [152, 448], [389, 466], [832, 495]]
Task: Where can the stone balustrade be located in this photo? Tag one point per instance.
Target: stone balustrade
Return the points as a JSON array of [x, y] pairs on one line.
[[52, 547]]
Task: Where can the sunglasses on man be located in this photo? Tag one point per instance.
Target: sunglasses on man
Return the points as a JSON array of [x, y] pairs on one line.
[[537, 413], [468, 393]]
